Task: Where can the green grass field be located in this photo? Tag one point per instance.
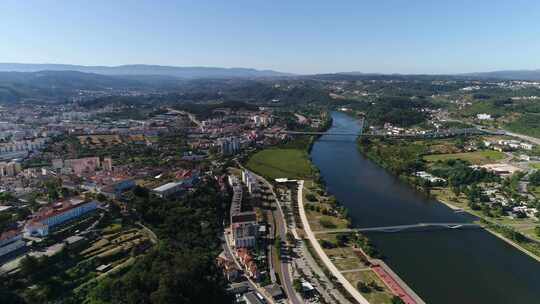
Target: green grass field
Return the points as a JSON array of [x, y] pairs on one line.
[[536, 191], [275, 163], [374, 296], [535, 166], [477, 158]]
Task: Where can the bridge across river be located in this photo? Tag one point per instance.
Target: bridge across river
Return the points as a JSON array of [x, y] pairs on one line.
[[430, 134], [398, 228]]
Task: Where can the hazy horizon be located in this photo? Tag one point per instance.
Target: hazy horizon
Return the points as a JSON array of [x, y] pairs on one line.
[[301, 37], [258, 69]]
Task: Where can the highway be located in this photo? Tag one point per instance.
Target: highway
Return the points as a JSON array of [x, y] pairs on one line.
[[534, 140]]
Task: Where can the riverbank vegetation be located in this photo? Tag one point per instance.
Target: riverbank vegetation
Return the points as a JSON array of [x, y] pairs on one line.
[[515, 236], [399, 110], [455, 181], [398, 156], [325, 214]]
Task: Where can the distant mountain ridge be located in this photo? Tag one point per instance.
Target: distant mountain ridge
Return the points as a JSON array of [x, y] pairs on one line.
[[194, 72], [145, 70]]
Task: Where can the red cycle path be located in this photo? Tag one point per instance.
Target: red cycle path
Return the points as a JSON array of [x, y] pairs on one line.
[[393, 284]]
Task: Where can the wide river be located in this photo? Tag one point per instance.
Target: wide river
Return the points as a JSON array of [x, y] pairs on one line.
[[469, 266]]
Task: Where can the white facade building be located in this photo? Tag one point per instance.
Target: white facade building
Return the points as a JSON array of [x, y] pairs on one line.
[[49, 217]]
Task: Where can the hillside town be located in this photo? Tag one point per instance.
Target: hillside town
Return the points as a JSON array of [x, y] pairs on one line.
[[68, 178]]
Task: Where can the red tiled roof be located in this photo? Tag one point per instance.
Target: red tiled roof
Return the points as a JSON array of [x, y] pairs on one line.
[[50, 211]]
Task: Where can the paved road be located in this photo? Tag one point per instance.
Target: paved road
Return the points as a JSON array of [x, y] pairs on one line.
[[324, 258], [269, 246], [524, 137], [319, 279], [281, 229], [506, 132], [286, 275]]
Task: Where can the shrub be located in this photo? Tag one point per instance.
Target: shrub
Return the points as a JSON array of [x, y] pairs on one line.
[[327, 222]]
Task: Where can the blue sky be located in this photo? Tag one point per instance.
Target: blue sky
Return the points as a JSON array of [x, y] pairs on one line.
[[388, 36]]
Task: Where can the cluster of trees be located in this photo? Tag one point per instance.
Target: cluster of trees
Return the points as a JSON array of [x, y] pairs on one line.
[[399, 111], [342, 240], [326, 244], [9, 218], [188, 232], [534, 178], [215, 91], [459, 173], [368, 287], [204, 111], [187, 229], [363, 242], [401, 157], [477, 199], [47, 275], [327, 222]]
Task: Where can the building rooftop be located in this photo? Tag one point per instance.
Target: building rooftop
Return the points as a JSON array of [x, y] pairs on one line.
[[73, 239], [275, 291], [55, 209], [306, 286], [167, 186]]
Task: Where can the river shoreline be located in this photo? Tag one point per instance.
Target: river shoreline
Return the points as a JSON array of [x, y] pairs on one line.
[[474, 262], [406, 292], [500, 236], [456, 208]]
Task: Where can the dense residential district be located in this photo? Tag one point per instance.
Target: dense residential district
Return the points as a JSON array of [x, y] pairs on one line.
[[132, 196]]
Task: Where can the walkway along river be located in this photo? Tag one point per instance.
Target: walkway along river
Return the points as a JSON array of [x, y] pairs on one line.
[[442, 266]]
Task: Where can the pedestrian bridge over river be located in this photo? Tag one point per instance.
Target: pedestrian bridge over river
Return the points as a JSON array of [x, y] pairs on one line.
[[398, 228]]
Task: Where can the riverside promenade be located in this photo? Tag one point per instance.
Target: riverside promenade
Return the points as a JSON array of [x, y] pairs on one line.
[[324, 258], [389, 277]]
